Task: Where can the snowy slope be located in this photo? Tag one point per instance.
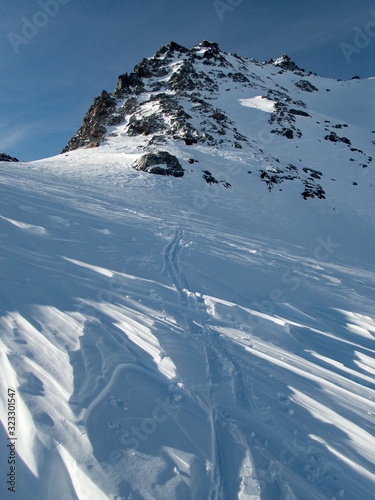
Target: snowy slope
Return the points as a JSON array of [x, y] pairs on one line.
[[168, 338]]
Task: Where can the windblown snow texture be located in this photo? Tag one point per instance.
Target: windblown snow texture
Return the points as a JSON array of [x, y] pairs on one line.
[[207, 335]]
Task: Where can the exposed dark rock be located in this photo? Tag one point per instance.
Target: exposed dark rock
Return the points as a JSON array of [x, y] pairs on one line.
[[219, 116], [333, 137], [269, 179], [298, 112], [212, 56], [276, 175], [189, 141], [128, 83], [129, 106], [160, 163], [183, 80], [170, 49], [285, 62], [142, 69], [288, 133], [306, 86], [239, 77], [313, 173], [282, 115], [145, 125], [313, 191], [186, 80], [210, 45], [292, 168], [4, 157], [209, 178], [94, 124]]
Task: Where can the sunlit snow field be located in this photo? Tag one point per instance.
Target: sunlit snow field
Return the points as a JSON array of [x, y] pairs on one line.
[[170, 339]]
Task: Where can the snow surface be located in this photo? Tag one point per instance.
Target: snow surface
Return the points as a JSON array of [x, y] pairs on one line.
[[170, 339], [259, 102], [169, 346]]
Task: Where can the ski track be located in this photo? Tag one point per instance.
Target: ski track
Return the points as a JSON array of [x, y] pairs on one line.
[[216, 356]]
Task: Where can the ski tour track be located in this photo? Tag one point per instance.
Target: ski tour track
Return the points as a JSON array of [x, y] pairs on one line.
[[220, 366], [237, 415]]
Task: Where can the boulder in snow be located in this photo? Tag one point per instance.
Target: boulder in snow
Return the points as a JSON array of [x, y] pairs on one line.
[[160, 163]]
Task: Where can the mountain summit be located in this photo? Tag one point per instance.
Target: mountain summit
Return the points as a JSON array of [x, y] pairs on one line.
[[273, 118]]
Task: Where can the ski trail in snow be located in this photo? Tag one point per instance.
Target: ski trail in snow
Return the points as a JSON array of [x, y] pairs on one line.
[[172, 266], [225, 385]]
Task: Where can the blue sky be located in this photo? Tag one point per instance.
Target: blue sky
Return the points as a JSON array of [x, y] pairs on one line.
[[55, 59]]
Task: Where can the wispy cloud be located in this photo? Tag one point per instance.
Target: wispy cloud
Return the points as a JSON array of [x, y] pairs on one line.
[[14, 137]]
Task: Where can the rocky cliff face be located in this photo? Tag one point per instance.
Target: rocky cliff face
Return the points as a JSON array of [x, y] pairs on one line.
[[196, 97], [93, 127], [152, 98]]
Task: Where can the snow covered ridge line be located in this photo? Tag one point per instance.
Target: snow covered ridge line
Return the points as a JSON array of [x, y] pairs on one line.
[[31, 27]]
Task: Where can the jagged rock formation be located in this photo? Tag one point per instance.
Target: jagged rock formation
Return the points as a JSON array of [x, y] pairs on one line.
[[306, 86], [4, 157], [152, 99], [285, 62], [179, 97], [93, 126]]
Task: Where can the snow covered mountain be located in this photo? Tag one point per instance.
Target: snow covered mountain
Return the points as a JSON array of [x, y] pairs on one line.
[[204, 333], [251, 114]]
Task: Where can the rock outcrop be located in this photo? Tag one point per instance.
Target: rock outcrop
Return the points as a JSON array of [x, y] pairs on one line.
[[100, 114], [4, 157], [160, 163]]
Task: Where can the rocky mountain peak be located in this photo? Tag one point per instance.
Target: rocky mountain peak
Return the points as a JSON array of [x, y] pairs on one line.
[[170, 49], [207, 98], [149, 99], [168, 75], [285, 62]]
